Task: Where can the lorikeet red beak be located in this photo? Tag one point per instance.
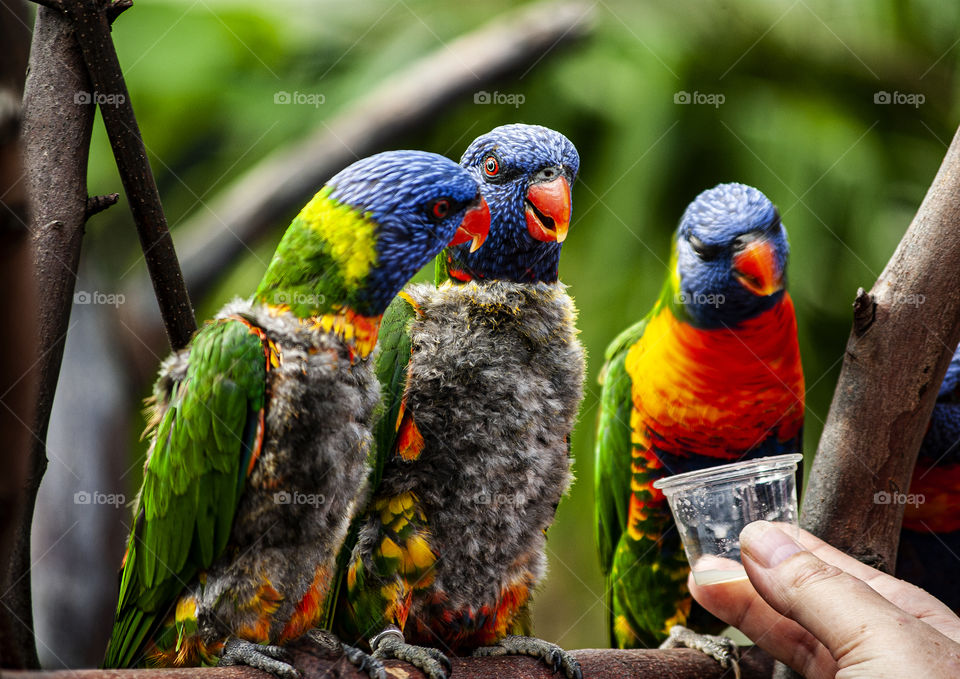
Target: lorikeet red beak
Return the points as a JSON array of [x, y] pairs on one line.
[[757, 268], [474, 227], [548, 209]]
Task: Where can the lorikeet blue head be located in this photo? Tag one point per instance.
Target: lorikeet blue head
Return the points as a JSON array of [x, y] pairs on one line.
[[525, 172], [731, 257], [370, 229]]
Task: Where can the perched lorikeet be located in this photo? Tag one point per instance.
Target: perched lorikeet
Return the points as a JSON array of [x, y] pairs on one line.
[[930, 539], [259, 429], [711, 375], [482, 379]]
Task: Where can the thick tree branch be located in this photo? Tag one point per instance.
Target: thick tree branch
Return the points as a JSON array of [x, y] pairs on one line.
[[56, 138], [92, 28], [18, 347], [905, 331], [596, 664]]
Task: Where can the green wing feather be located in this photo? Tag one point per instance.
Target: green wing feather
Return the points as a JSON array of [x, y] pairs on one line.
[[441, 272], [391, 370], [203, 442], [613, 450]]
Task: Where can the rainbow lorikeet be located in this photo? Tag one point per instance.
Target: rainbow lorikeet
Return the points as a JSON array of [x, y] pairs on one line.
[[711, 375], [482, 377], [930, 538], [260, 428]]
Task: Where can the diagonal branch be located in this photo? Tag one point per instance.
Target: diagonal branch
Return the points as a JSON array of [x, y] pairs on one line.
[[263, 198], [896, 357], [92, 25]]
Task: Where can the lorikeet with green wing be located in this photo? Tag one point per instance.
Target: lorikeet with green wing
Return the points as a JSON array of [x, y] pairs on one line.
[[930, 538], [482, 376], [259, 429], [711, 375]]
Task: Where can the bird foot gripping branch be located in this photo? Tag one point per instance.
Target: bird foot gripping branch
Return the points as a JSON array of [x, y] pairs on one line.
[[390, 644], [722, 649], [555, 657]]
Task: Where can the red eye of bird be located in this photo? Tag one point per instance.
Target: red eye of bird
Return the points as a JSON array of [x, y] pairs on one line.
[[440, 208], [491, 166]]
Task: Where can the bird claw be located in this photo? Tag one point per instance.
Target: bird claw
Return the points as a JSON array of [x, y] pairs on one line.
[[552, 655], [331, 646], [722, 649], [270, 659], [430, 661]]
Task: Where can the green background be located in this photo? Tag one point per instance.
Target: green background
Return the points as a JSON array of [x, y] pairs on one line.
[[798, 120]]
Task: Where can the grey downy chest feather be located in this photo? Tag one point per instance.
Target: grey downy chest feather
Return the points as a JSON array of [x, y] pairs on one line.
[[305, 486], [494, 385]]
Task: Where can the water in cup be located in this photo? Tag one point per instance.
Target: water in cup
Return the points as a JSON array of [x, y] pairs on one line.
[[711, 507]]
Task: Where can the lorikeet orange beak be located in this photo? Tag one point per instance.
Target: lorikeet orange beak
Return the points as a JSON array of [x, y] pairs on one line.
[[474, 227], [548, 209], [757, 269]]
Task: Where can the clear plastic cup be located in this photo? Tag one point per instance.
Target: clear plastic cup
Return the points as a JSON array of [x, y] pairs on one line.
[[711, 506]]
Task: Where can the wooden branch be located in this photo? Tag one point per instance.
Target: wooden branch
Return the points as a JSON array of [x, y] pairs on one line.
[[905, 332], [18, 304], [596, 664], [56, 139], [92, 27], [267, 196], [96, 204]]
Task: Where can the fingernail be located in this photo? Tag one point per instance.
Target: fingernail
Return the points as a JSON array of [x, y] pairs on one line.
[[764, 543]]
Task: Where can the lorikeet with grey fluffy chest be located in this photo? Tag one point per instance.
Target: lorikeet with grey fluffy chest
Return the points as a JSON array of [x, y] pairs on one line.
[[482, 378], [711, 375], [259, 430]]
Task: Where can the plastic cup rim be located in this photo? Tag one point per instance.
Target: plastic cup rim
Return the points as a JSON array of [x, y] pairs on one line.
[[729, 472]]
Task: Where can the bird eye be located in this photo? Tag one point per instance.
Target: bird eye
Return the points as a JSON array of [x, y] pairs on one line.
[[704, 251], [491, 166], [439, 208]]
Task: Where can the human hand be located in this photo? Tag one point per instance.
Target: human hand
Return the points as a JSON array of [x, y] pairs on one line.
[[827, 615]]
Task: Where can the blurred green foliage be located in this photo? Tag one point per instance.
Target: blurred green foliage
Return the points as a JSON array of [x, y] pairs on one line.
[[799, 120]]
